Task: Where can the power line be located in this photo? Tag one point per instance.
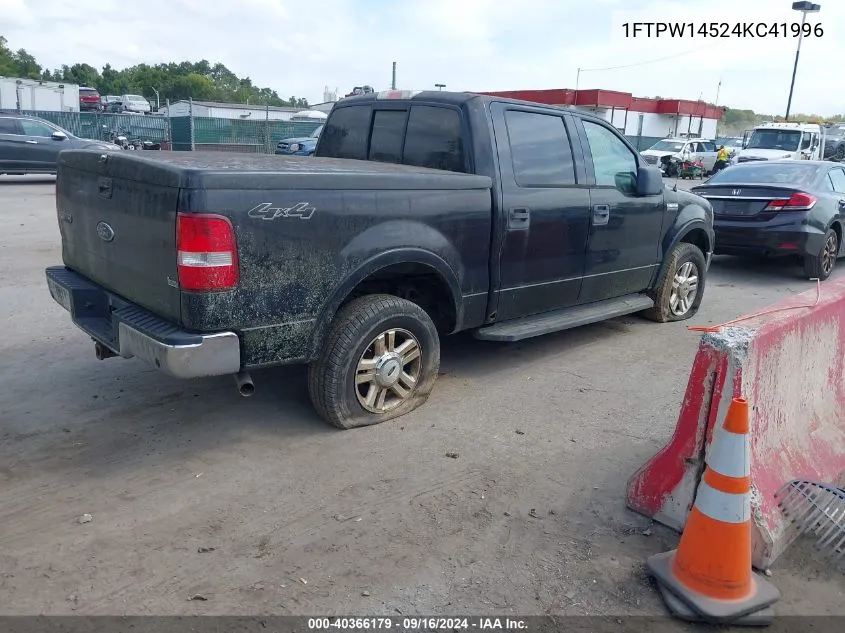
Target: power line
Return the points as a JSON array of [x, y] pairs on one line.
[[652, 61]]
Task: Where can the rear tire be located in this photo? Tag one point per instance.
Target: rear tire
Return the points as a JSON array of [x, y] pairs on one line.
[[680, 287], [379, 361], [821, 266]]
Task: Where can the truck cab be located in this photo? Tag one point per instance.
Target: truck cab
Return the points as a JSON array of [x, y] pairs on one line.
[[782, 141]]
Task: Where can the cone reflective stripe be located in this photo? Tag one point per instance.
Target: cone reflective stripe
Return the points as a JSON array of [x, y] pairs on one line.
[[710, 572]]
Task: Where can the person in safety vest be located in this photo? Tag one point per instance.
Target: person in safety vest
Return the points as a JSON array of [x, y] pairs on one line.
[[721, 159]]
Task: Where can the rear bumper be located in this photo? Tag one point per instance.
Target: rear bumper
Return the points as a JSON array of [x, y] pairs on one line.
[[779, 236], [130, 331]]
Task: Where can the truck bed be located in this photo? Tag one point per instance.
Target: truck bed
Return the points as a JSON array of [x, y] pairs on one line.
[[302, 227]]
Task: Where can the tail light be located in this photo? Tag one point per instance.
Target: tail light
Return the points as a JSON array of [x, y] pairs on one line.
[[798, 201], [207, 255]]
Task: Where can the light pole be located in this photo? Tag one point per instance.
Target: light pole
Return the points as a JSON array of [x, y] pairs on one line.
[[440, 86], [158, 103], [805, 8]]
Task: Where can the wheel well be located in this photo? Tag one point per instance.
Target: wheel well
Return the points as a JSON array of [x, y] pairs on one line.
[[697, 237], [837, 228], [418, 283]]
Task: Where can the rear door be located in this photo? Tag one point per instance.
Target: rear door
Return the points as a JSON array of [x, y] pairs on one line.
[[623, 248], [546, 205], [707, 154], [12, 147]]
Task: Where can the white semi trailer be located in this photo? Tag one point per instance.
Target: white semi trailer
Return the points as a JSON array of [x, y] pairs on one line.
[[33, 94]]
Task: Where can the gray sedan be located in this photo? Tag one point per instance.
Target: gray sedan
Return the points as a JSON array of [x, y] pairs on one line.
[[31, 146]]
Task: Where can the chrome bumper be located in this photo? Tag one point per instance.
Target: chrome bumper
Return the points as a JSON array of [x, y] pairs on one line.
[[130, 331], [213, 355]]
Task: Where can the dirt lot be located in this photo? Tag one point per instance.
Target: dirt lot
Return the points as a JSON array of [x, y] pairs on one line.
[[299, 518]]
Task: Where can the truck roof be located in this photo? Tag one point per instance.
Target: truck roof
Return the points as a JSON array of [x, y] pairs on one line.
[[454, 98], [789, 125]]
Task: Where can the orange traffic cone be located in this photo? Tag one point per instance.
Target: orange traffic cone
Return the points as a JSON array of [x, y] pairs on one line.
[[709, 578]]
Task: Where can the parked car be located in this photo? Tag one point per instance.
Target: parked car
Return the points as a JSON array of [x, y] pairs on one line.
[[134, 103], [29, 145], [834, 148], [111, 103], [783, 207], [300, 146], [89, 99], [669, 152], [420, 215]]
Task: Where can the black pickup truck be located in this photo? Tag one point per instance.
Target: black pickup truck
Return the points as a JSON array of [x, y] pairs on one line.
[[421, 215]]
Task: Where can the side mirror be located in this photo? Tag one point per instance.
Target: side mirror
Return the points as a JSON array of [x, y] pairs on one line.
[[59, 136], [649, 181]]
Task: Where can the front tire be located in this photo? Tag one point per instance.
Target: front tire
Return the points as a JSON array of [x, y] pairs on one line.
[[379, 361], [680, 287], [821, 266]]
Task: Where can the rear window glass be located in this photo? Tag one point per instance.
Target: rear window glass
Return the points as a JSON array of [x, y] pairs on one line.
[[386, 139], [346, 133], [540, 150], [9, 126], [434, 139], [766, 173]]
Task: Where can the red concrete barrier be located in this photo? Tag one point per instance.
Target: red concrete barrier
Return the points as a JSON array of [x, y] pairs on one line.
[[789, 363]]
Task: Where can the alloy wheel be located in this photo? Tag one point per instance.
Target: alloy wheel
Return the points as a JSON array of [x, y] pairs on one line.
[[684, 289], [388, 371]]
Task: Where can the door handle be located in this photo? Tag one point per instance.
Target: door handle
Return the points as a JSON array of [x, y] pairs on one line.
[[519, 219], [31, 142], [601, 214]]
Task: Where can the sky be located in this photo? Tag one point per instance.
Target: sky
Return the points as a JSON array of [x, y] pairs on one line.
[[299, 48]]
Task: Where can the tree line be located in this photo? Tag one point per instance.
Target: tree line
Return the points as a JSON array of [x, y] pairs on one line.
[[201, 81]]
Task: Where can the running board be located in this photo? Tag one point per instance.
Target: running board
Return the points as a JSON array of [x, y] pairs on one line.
[[547, 322]]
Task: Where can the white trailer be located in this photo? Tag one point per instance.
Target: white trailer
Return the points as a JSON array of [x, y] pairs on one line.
[[33, 94]]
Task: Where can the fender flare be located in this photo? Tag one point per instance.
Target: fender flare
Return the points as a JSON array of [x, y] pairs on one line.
[[684, 230], [374, 264]]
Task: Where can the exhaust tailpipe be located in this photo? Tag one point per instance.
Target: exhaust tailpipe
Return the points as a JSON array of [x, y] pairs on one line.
[[102, 352], [245, 385]]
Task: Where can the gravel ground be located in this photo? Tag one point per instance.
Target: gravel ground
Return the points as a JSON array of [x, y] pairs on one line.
[[259, 507]]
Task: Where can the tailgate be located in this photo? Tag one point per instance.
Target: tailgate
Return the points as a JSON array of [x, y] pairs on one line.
[[117, 217]]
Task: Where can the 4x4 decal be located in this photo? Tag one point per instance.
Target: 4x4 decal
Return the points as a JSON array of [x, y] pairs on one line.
[[266, 211]]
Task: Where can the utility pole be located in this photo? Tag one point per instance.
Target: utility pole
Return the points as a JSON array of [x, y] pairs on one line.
[[393, 79], [804, 8]]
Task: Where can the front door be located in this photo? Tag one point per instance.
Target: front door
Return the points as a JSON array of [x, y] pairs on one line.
[[538, 260], [623, 249], [43, 153]]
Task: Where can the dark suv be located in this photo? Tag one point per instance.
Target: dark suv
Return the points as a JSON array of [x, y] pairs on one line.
[[31, 146]]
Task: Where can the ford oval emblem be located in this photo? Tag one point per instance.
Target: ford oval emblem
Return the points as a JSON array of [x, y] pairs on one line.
[[105, 232]]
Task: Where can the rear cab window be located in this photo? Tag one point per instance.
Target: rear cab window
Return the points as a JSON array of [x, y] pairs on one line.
[[418, 134]]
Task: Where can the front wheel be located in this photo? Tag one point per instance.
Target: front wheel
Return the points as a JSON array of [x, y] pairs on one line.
[[379, 361], [680, 287], [821, 266]]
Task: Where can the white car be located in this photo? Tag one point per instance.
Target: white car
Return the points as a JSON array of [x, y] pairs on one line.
[[693, 149], [135, 103]]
